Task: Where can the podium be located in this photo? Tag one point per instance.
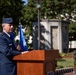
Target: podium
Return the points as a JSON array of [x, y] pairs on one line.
[[36, 62]]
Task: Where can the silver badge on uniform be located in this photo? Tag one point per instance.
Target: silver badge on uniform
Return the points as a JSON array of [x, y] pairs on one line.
[[10, 46]]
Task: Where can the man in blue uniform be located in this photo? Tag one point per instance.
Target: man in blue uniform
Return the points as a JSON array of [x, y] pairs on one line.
[[7, 49]]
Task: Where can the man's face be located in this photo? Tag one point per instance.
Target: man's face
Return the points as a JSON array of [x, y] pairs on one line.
[[8, 28]]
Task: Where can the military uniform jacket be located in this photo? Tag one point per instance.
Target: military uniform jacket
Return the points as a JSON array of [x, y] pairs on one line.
[[7, 52]]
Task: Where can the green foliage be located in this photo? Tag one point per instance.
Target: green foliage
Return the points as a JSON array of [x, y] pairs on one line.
[[65, 63], [49, 8], [11, 8], [52, 8], [72, 27], [30, 12]]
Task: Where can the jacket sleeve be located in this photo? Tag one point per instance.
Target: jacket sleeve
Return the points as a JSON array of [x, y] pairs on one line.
[[4, 49]]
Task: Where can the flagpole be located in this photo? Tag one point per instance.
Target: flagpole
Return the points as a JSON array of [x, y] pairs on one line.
[[38, 7], [19, 22]]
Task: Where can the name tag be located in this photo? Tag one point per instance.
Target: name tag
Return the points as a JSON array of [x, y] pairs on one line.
[[10, 44]]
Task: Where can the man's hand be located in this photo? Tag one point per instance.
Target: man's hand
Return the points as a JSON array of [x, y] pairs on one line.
[[18, 47]]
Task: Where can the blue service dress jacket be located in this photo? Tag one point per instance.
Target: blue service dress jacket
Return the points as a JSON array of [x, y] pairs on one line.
[[7, 52]]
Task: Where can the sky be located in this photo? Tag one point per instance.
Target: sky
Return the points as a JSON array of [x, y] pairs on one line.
[[26, 2]]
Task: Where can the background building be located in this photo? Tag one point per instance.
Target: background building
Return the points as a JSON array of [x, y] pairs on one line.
[[53, 35]]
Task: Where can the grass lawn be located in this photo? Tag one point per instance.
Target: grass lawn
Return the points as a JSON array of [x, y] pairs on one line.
[[65, 62]]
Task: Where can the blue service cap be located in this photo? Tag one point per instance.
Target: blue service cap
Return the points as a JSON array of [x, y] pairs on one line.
[[7, 20]]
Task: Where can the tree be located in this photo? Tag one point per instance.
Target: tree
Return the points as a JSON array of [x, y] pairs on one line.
[[11, 8], [51, 9]]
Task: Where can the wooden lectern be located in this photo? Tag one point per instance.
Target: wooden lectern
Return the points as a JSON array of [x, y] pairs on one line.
[[36, 62]]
